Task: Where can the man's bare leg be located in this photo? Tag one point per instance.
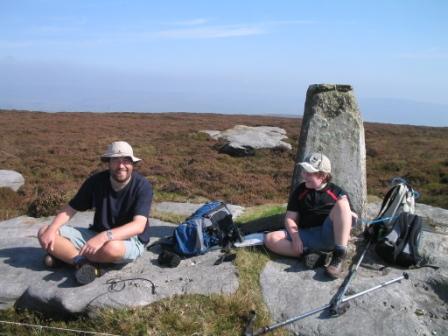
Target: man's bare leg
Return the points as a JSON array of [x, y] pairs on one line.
[[63, 248], [110, 252]]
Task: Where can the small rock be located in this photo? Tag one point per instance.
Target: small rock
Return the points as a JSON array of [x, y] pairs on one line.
[[419, 312]]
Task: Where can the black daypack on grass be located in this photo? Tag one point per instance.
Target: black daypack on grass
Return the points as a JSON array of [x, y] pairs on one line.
[[400, 246]]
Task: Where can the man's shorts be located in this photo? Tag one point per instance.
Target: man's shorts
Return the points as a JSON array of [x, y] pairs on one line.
[[318, 238], [79, 236]]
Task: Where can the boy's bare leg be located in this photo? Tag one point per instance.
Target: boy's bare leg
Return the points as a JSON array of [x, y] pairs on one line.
[[276, 242], [341, 216]]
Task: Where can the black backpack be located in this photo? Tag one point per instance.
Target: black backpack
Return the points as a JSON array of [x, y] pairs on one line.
[[400, 245]]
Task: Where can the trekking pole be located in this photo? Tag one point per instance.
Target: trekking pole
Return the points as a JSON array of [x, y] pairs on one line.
[[264, 330], [335, 304], [336, 307]]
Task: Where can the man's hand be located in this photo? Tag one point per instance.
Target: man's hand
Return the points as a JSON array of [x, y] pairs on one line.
[[47, 236], [94, 244]]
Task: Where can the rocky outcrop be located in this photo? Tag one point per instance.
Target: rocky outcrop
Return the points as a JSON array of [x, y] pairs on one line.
[[243, 140], [332, 125], [26, 283], [418, 306], [11, 179]]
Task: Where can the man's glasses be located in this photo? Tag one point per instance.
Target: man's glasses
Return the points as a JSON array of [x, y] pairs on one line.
[[123, 160]]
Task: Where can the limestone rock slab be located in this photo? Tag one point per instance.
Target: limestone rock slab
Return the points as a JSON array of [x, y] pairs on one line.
[[417, 306], [26, 283], [241, 139], [11, 179]]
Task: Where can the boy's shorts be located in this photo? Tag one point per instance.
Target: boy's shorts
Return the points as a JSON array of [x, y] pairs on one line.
[[79, 236], [318, 238]]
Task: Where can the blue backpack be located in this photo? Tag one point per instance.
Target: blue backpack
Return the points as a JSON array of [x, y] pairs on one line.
[[208, 226]]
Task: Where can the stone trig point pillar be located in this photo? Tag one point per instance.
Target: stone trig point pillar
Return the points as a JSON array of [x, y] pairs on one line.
[[332, 125]]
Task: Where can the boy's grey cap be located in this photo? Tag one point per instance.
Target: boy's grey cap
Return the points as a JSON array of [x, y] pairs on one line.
[[119, 149], [316, 162]]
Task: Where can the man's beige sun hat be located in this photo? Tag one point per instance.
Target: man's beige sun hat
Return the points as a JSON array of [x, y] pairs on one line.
[[316, 162], [119, 149]]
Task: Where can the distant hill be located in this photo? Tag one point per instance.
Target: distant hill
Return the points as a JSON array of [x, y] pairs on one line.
[[404, 112]]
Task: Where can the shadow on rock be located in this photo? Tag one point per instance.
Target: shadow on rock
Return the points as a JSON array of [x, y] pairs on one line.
[[270, 223], [440, 286], [161, 231], [64, 276], [24, 257]]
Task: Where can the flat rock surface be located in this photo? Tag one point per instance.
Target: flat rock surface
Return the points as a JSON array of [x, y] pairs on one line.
[[255, 137], [26, 283], [11, 179], [418, 306]]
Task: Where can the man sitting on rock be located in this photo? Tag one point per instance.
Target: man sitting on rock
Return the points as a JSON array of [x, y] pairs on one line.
[[122, 199], [318, 218]]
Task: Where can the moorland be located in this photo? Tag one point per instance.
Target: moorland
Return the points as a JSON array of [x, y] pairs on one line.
[[55, 152]]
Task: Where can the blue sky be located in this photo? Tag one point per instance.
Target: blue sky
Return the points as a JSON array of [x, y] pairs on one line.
[[250, 57]]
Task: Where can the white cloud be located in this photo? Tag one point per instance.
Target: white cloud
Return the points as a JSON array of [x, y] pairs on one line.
[[211, 32], [204, 31]]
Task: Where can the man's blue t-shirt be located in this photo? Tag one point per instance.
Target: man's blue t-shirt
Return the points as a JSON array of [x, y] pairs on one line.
[[114, 208]]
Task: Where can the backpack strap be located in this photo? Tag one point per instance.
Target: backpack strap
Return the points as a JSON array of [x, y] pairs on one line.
[[331, 194], [387, 203], [403, 237], [386, 200], [414, 235]]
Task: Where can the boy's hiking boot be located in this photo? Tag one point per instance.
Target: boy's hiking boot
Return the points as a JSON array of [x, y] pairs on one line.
[[52, 262], [334, 268], [315, 259]]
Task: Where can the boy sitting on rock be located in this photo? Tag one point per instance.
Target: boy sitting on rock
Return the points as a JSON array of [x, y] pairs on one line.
[[318, 218]]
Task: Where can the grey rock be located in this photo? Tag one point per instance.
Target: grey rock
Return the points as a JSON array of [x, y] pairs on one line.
[[241, 140], [26, 283], [291, 290], [332, 125], [11, 179], [186, 209]]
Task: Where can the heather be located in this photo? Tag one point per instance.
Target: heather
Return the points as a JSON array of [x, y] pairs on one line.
[[56, 151]]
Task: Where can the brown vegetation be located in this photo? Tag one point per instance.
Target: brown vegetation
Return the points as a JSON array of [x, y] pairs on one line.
[[56, 151]]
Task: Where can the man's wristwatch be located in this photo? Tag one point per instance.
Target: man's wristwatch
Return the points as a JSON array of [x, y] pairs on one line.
[[109, 235]]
